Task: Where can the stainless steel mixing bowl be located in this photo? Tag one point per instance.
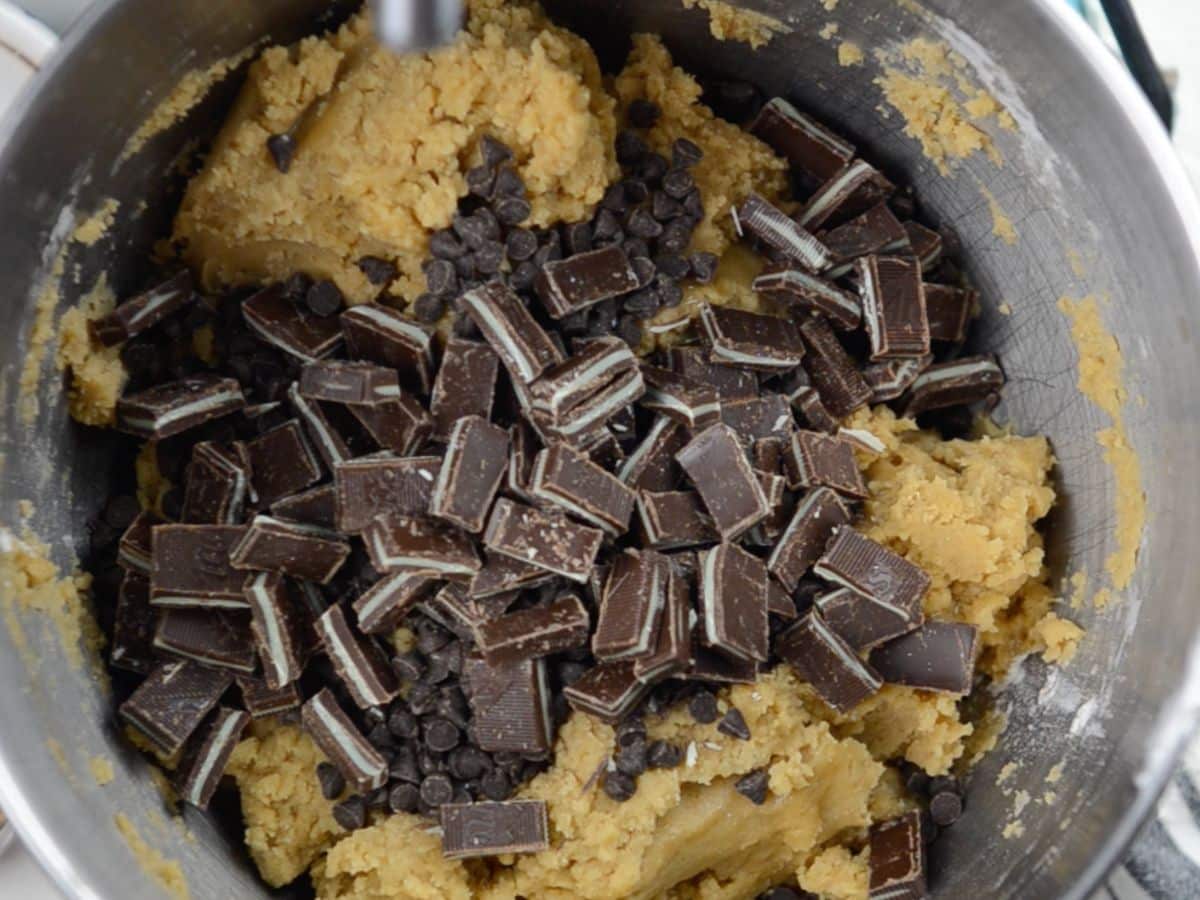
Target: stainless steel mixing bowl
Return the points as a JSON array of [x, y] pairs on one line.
[[1100, 206]]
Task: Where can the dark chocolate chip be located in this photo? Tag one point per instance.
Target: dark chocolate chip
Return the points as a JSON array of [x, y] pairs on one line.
[[523, 276], [629, 331], [632, 760], [675, 237], [379, 271], [917, 782], [672, 265], [643, 113], [444, 244], [495, 785], [636, 248], [404, 766], [282, 148], [631, 148], [652, 169], [945, 808], [493, 151], [120, 511], [332, 781], [409, 665], [297, 285], [703, 707], [783, 892], [441, 277], [605, 225], [441, 735], [489, 258], [381, 738], [664, 207], [643, 303], [378, 799], [685, 153], [351, 813], [423, 698], [513, 210], [431, 636], [573, 324], [324, 298], [754, 786], [570, 672], [469, 763], [404, 798], [944, 784], [644, 268], [704, 266], [509, 184], [437, 789], [670, 295], [520, 244], [614, 199], [734, 725], [664, 755], [480, 181], [630, 732], [428, 308], [430, 763], [619, 786], [678, 183], [465, 266], [577, 237]]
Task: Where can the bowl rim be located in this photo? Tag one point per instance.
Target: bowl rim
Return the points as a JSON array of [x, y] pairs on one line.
[[1175, 722]]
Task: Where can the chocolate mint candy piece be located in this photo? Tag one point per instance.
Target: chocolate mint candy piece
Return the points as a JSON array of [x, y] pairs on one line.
[[472, 830], [703, 707], [451, 608], [968, 379], [875, 231], [333, 731], [754, 786], [762, 343], [859, 563], [290, 548], [691, 403], [330, 442], [855, 188], [807, 144], [834, 373], [134, 623], [206, 637], [631, 608], [897, 859], [939, 656], [475, 462], [718, 467], [381, 607], [926, 244], [217, 486], [144, 311], [360, 665], [519, 341], [540, 539], [314, 507], [713, 667], [754, 419], [949, 311], [893, 302], [651, 466], [672, 651], [401, 425], [608, 691], [861, 621], [201, 772], [262, 702], [671, 520], [173, 408], [566, 385], [818, 460], [733, 599], [890, 379], [383, 336], [275, 627], [370, 486], [397, 543], [133, 550], [734, 725], [824, 659], [778, 231], [811, 293], [585, 279], [282, 463], [535, 632], [662, 755], [172, 702], [339, 381], [465, 384], [275, 320], [730, 382], [502, 575], [510, 703], [589, 417], [568, 479], [190, 566]]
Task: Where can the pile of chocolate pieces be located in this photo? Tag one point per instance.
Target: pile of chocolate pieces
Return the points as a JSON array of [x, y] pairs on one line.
[[557, 522]]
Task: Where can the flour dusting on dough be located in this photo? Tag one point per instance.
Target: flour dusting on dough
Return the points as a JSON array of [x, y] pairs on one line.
[[40, 336], [731, 23], [167, 872]]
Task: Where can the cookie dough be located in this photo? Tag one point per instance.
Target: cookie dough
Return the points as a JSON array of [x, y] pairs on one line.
[[97, 374]]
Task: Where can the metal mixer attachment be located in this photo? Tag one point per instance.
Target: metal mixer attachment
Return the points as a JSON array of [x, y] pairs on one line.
[[415, 25]]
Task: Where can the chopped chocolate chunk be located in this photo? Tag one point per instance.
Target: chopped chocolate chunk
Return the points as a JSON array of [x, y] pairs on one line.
[[816, 460], [510, 702], [730, 382], [733, 599], [811, 293], [202, 770], [315, 507], [734, 725], [359, 663], [381, 607], [685, 400], [718, 668], [472, 830], [875, 231], [756, 418], [172, 408], [566, 385], [968, 379], [339, 381], [854, 189], [502, 575], [519, 341], [897, 859], [282, 463], [171, 703], [804, 142], [397, 543], [585, 279], [474, 464], [206, 637], [859, 563], [465, 384], [218, 485], [949, 311], [280, 323], [751, 340], [779, 604], [821, 657], [144, 311], [590, 415], [754, 786], [671, 520], [540, 539], [134, 623], [568, 479], [329, 441], [717, 465], [133, 550], [523, 444], [863, 622], [834, 374], [383, 336], [333, 731], [926, 244], [275, 626], [938, 656], [893, 302], [190, 566], [631, 607], [374, 485], [781, 233], [290, 548], [672, 651], [262, 702], [608, 691], [652, 466], [888, 380], [535, 632], [400, 425]]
